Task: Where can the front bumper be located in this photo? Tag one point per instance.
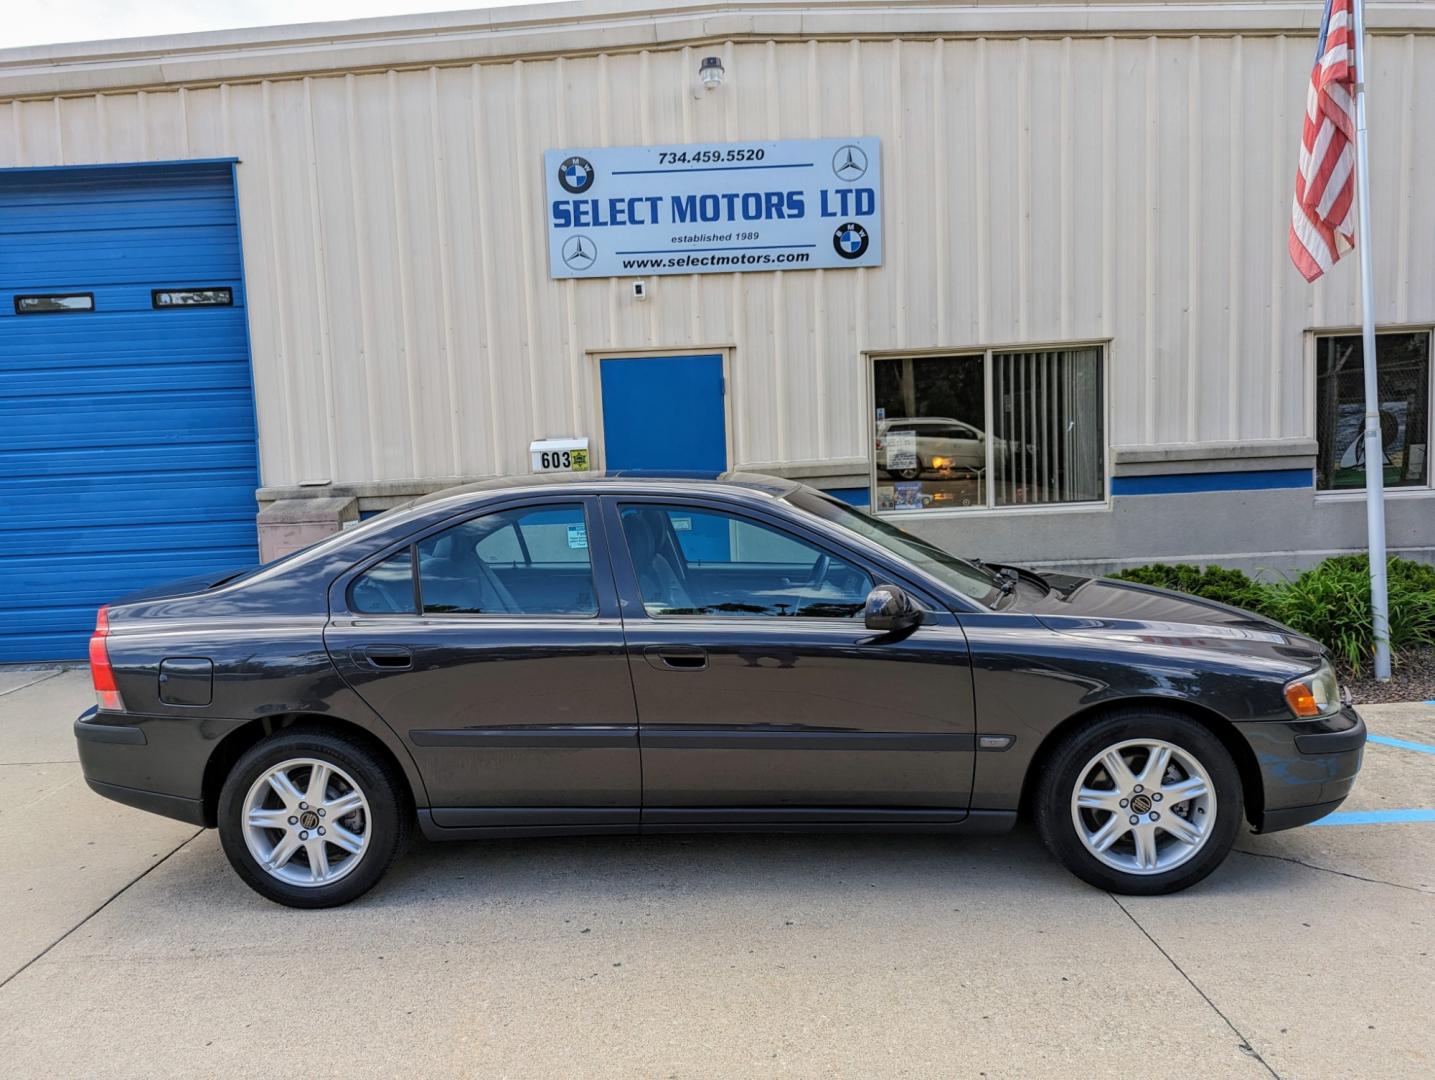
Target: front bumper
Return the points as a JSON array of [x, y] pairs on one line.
[[150, 762], [1307, 767]]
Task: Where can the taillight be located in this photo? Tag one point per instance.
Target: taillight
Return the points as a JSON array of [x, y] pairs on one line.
[[103, 676]]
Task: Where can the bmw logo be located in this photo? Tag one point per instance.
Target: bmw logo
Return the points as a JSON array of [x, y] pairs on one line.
[[576, 174], [850, 240]]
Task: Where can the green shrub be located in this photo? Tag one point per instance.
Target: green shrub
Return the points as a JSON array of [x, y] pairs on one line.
[[1330, 602], [1214, 583]]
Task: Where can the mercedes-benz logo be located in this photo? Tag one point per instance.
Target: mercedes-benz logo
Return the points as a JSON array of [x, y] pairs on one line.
[[850, 240], [579, 252], [576, 174], [849, 163]]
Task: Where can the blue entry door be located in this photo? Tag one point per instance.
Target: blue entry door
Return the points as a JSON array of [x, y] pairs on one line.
[[664, 414]]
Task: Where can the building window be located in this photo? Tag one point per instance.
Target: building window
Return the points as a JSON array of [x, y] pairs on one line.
[[54, 303], [990, 429], [166, 298], [1403, 378]]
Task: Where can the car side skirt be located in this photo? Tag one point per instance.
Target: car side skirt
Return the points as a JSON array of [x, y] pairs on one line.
[[479, 823]]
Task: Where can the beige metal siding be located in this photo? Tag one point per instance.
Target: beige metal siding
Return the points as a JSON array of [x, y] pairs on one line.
[[1036, 190]]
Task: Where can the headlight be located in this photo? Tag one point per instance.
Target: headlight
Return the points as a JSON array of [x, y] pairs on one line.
[[1316, 694]]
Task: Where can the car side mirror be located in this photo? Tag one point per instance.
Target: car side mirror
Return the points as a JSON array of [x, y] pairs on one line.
[[890, 610]]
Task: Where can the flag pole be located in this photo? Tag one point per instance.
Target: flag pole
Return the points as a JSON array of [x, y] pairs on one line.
[[1374, 443]]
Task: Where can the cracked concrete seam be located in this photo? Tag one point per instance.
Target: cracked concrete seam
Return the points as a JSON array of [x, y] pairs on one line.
[[1331, 870], [28, 964], [1245, 1045], [44, 677]]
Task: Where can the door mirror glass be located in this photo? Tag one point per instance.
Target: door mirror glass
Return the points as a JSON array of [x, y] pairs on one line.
[[889, 609]]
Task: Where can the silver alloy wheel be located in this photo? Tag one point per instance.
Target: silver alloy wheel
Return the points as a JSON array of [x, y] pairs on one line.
[[306, 822], [1143, 806]]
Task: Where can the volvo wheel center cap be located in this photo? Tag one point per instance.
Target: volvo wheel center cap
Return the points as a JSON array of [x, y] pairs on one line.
[[1141, 804], [309, 820]]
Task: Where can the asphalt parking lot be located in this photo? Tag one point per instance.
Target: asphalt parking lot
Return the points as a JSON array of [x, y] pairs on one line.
[[130, 949]]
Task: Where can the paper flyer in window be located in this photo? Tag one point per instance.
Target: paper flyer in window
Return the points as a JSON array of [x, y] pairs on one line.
[[901, 449]]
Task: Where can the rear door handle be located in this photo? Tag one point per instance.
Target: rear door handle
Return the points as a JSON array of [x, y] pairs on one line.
[[676, 657], [385, 657]]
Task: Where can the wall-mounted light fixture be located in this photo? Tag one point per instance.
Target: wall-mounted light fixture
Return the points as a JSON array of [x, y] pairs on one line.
[[710, 72]]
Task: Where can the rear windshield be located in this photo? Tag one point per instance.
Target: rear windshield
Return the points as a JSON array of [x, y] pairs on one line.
[[966, 578]]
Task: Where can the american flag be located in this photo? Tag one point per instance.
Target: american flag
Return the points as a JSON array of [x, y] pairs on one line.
[[1323, 214]]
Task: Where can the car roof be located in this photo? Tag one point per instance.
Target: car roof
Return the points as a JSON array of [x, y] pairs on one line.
[[620, 481], [923, 420]]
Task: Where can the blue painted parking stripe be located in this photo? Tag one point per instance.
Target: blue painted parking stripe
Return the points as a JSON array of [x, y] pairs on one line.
[[1376, 817], [1404, 744]]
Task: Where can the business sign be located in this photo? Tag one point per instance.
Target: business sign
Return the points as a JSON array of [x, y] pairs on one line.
[[714, 208]]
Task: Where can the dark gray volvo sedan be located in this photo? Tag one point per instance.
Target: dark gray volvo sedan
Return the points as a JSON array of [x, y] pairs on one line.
[[624, 655]]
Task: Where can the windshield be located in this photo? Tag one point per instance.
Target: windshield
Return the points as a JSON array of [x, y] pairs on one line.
[[966, 578]]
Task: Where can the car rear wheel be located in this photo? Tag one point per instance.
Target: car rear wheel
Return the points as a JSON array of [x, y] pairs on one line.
[[1141, 802], [312, 819]]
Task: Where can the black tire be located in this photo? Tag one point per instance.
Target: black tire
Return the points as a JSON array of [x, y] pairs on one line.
[[1062, 771], [906, 474], [388, 826]]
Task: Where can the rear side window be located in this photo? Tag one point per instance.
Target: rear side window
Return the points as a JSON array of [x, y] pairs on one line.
[[529, 561], [386, 589]]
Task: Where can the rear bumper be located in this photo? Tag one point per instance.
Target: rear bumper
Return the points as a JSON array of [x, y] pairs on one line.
[[150, 762], [1307, 767], [171, 806]]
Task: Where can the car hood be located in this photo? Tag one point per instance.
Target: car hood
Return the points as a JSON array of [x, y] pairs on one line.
[[1122, 610]]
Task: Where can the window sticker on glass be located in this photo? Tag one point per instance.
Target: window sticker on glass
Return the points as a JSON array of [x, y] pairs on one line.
[[682, 524], [577, 536], [54, 303]]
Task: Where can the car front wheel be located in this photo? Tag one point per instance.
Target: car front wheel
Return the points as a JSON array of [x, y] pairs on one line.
[[1141, 802], [311, 819]]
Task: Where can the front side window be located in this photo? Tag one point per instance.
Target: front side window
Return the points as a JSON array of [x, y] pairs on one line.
[[965, 577], [989, 429], [692, 561], [1403, 378]]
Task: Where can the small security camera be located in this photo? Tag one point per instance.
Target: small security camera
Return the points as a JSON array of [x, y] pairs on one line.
[[640, 290]]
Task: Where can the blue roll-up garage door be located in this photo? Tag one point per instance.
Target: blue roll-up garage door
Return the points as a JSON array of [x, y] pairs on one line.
[[127, 437]]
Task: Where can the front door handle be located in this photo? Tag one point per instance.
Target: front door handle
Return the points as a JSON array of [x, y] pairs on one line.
[[385, 657], [676, 657]]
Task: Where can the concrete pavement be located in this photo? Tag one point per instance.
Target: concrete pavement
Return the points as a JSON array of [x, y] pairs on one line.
[[131, 950]]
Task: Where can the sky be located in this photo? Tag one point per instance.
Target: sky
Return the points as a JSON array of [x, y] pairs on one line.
[[47, 22]]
